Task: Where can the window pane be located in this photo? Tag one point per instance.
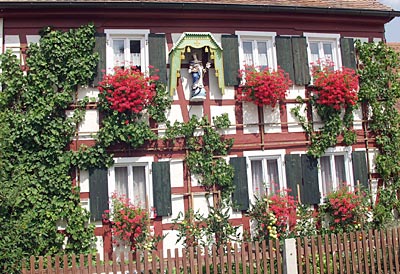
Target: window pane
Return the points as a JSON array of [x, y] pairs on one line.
[[327, 184], [257, 178], [135, 52], [314, 52], [339, 170], [248, 53], [139, 186], [262, 54], [121, 181], [328, 53], [273, 176], [119, 56]]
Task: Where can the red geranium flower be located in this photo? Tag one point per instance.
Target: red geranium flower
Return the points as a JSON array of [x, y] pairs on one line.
[[128, 90], [262, 86], [335, 88]]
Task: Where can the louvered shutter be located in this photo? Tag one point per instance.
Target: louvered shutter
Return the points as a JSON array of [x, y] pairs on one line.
[[100, 48], [241, 193], [157, 56], [360, 169], [98, 187], [284, 55], [300, 61], [162, 188], [348, 53], [310, 188], [230, 53], [293, 173]]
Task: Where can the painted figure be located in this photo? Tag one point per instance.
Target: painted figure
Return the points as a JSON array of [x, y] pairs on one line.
[[197, 70]]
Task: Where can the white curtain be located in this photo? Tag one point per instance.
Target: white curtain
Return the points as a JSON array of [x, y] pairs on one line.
[[314, 52], [257, 178], [328, 52], [139, 186], [326, 172], [134, 50], [273, 176], [339, 168], [248, 53], [262, 54], [119, 55], [121, 181]]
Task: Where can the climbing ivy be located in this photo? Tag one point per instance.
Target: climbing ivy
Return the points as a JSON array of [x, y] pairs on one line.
[[37, 196], [335, 124], [206, 151], [379, 92]]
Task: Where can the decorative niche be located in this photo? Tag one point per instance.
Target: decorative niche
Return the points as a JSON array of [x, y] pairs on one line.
[[207, 49]]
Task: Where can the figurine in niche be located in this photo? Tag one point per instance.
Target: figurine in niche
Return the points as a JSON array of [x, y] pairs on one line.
[[197, 70]]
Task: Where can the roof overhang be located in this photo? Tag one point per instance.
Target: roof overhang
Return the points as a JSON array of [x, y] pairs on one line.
[[390, 14]]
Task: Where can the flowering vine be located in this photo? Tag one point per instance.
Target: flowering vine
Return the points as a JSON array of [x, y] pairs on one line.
[[128, 100], [262, 86], [334, 96]]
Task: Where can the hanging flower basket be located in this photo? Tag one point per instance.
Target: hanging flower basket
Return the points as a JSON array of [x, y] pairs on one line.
[[262, 86], [128, 90], [335, 89]]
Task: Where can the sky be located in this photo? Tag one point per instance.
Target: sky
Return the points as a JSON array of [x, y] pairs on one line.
[[392, 29]]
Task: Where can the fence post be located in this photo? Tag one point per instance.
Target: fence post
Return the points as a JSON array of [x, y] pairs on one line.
[[290, 257]]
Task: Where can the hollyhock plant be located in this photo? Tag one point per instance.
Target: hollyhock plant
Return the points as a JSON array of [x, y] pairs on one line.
[[335, 89], [128, 90], [130, 224], [262, 86]]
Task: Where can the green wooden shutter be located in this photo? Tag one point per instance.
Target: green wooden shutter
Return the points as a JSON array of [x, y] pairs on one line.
[[300, 61], [284, 55], [98, 186], [162, 188], [100, 48], [293, 173], [241, 193], [230, 51], [310, 188], [360, 169], [348, 53], [158, 55]]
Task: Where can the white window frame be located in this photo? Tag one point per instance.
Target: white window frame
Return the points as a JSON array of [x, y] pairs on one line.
[[325, 37], [126, 35], [130, 162], [278, 154], [258, 36], [331, 152]]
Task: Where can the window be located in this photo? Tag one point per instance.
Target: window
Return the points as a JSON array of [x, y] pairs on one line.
[[256, 49], [127, 48], [265, 172], [130, 177], [335, 170], [265, 176], [324, 48]]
